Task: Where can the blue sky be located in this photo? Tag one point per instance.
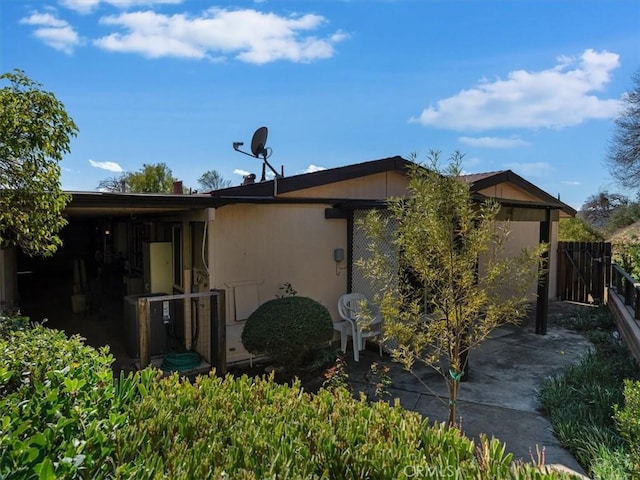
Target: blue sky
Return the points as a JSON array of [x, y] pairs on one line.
[[530, 86]]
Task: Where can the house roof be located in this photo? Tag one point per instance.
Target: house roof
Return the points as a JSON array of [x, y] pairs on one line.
[[106, 203], [315, 179], [480, 181]]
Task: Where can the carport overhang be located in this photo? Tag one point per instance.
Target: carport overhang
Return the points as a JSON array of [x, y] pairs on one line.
[[131, 205]]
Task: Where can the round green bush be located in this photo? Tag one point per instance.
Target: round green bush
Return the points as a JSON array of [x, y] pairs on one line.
[[286, 328]]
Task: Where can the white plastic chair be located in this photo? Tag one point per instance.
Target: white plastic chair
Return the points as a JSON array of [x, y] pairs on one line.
[[345, 330], [364, 318]]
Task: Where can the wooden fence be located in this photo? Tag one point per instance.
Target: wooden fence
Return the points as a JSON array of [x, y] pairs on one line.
[[584, 270]]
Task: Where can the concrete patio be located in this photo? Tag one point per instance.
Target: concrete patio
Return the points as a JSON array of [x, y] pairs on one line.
[[500, 396]]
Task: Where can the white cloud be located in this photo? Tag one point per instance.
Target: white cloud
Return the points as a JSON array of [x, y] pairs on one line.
[[45, 20], [110, 166], [53, 31], [534, 169], [87, 6], [557, 97], [313, 168], [242, 173], [494, 142], [249, 35], [573, 183], [82, 6]]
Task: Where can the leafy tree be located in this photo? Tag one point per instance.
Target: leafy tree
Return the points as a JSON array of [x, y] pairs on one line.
[[598, 208], [622, 217], [457, 284], [151, 178], [624, 150], [213, 180], [35, 133], [577, 229], [113, 184], [627, 255]]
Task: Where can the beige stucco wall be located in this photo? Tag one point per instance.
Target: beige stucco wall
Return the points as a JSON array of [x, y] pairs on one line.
[[269, 245], [373, 187], [508, 190], [255, 249], [526, 235]]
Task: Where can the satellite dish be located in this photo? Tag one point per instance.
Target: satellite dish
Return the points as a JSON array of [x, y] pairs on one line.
[[258, 148], [259, 141]]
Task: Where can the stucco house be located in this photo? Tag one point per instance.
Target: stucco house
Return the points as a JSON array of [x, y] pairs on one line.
[[245, 242]]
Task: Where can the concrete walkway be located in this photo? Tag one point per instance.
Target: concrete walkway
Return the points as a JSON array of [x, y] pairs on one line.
[[500, 396]]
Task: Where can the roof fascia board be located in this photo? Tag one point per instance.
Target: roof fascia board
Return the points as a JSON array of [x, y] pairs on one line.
[[106, 200]]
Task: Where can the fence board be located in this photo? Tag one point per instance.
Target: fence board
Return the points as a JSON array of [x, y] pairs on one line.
[[583, 271]]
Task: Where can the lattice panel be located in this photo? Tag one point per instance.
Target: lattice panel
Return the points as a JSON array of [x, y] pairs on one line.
[[359, 281]]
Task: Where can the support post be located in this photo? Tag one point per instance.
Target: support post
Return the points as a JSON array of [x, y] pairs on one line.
[[542, 304], [143, 332], [218, 343], [188, 312]]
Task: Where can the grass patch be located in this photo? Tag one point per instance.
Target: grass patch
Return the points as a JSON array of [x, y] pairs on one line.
[[586, 319], [580, 401]]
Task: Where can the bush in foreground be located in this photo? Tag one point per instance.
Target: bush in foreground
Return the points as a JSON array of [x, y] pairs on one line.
[[64, 416], [58, 405], [628, 421], [286, 328], [256, 428]]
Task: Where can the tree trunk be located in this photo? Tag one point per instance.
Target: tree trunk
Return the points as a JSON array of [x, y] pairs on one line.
[[453, 401]]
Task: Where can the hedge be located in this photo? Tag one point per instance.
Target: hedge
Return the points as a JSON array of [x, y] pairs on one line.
[[65, 416]]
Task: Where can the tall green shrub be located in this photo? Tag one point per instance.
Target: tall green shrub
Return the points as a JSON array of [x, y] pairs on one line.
[[256, 428], [286, 328], [453, 266], [628, 421], [58, 405]]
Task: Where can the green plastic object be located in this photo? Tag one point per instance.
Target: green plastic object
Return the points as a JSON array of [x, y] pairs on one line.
[[180, 362]]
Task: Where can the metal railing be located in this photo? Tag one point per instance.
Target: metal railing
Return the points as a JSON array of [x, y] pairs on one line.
[[627, 288]]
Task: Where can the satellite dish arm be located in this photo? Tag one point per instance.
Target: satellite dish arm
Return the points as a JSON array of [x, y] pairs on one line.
[[237, 149], [266, 162]]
